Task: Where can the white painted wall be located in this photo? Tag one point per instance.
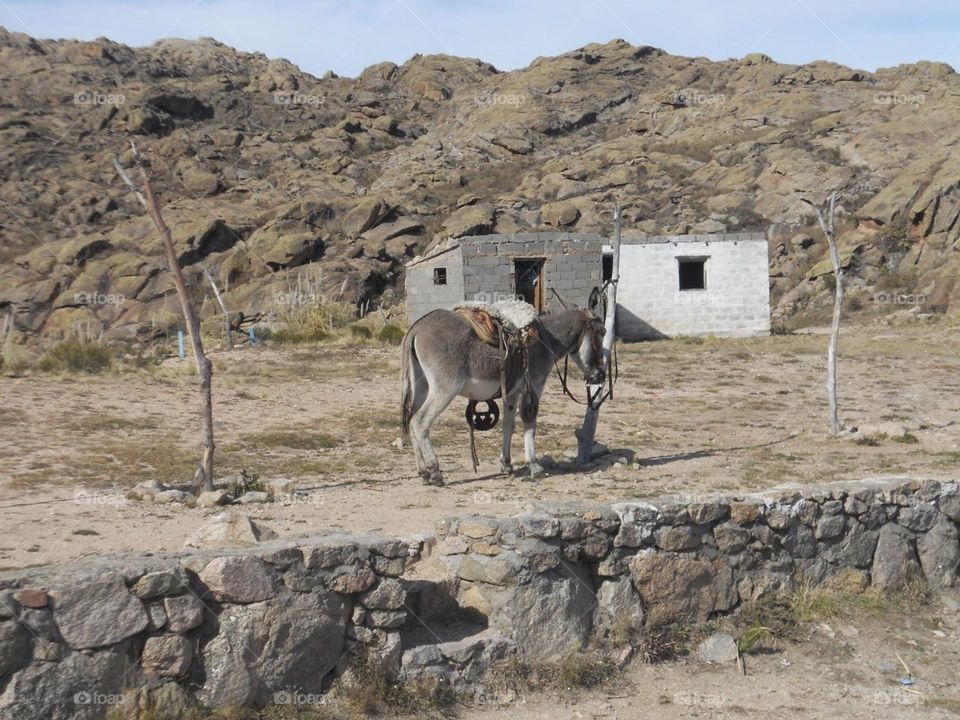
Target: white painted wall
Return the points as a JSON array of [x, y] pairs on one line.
[[736, 301]]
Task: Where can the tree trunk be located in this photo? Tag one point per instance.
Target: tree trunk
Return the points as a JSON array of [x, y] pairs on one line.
[[829, 228], [204, 366], [588, 430], [835, 328], [228, 333]]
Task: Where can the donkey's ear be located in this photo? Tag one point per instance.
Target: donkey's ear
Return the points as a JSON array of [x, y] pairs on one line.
[[596, 298]]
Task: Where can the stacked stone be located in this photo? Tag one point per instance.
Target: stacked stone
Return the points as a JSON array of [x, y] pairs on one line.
[[551, 578], [235, 628], [225, 629]]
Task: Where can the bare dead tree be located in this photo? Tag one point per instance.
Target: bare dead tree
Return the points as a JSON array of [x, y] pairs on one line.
[[587, 432], [228, 333], [828, 225], [204, 366]]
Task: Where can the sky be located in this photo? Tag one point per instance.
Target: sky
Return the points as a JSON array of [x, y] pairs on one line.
[[345, 36]]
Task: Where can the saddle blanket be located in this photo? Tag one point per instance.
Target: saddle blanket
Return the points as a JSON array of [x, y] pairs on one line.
[[514, 315]]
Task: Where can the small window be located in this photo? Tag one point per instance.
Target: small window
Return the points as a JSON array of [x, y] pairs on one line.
[[693, 273], [440, 276]]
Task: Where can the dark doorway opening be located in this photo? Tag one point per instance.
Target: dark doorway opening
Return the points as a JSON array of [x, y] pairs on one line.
[[607, 266], [693, 273], [528, 281]]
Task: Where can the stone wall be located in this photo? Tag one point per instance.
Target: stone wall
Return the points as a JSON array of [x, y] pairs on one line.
[[259, 625], [735, 301]]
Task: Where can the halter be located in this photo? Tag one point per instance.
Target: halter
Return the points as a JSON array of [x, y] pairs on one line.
[[597, 399]]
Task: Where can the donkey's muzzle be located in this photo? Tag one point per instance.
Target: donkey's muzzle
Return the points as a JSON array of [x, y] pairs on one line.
[[596, 377]]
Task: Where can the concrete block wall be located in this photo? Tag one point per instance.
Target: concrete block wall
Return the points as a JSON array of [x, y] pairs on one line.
[[735, 302], [423, 295], [481, 268]]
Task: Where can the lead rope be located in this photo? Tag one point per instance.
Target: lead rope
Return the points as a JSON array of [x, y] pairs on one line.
[[473, 451]]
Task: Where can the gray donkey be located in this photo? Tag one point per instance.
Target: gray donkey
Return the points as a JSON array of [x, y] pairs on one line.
[[442, 357]]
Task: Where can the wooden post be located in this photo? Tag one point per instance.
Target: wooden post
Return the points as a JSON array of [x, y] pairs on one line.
[[228, 337], [204, 366], [828, 226], [587, 432]]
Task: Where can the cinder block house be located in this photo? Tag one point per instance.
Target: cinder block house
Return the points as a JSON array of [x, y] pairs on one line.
[[669, 285]]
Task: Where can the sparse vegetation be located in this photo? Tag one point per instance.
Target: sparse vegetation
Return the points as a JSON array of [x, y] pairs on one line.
[[391, 334], [574, 671], [76, 356], [360, 332], [246, 481]]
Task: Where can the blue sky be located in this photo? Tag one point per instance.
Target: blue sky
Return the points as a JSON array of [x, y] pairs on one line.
[[347, 36]]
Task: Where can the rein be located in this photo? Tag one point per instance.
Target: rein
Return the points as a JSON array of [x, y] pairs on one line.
[[602, 394]]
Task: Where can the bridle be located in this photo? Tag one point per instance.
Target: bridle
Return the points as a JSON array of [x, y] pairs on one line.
[[596, 399]]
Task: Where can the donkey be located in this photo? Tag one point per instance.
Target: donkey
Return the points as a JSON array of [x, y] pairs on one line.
[[443, 358]]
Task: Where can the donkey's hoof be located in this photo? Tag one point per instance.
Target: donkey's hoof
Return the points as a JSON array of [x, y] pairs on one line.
[[506, 468], [536, 471], [433, 478]]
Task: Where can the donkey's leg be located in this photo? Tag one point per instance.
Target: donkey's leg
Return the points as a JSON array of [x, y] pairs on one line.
[[529, 416], [436, 402], [509, 421], [420, 390]]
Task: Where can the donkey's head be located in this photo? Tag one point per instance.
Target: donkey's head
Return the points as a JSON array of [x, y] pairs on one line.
[[589, 352]]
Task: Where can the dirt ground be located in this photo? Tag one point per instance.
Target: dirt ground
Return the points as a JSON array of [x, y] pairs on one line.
[[851, 667], [693, 416]]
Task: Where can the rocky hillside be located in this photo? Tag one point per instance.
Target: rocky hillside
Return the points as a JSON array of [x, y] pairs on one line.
[[263, 170]]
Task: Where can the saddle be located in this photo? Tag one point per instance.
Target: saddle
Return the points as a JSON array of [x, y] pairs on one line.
[[507, 323]]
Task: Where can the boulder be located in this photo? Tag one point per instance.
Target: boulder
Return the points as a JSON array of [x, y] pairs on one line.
[[389, 594], [213, 498], [559, 214], [675, 587], [14, 647], [548, 617], [98, 613], [365, 215], [617, 604], [161, 582], [470, 220], [895, 560], [184, 612], [82, 686], [719, 648], [167, 655], [939, 551], [290, 642], [229, 529], [242, 579]]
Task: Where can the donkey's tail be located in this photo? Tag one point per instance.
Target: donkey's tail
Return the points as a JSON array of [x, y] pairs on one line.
[[408, 361]]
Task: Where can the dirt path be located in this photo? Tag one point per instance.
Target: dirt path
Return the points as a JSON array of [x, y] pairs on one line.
[[695, 416], [842, 669]]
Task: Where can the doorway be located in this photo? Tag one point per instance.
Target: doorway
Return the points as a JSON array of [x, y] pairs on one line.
[[528, 281]]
